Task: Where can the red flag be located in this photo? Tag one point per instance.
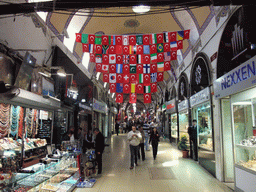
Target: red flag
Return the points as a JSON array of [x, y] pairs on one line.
[[98, 67], [147, 98], [146, 78], [139, 68], [126, 49], [112, 87], [145, 39], [119, 59], [173, 36], [132, 39], [127, 88], [119, 97], [119, 78], [139, 88], [153, 87], [160, 57], [119, 40], [160, 37], [119, 49], [174, 55], [91, 39], [104, 68], [153, 49], [126, 78], [179, 44], [105, 77], [167, 47], [133, 78], [78, 37], [105, 39], [112, 49], [153, 68], [133, 98], [146, 59], [160, 76], [139, 49], [186, 34], [167, 66], [85, 47], [98, 49], [133, 59], [105, 58], [112, 68], [126, 69], [92, 57]]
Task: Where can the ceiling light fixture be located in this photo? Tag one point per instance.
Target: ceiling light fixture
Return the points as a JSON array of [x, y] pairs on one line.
[[141, 9]]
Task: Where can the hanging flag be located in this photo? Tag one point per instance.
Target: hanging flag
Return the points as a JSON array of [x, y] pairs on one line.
[[160, 57], [146, 68], [132, 68], [105, 40], [139, 39], [139, 49], [167, 56], [105, 77], [153, 57], [132, 49], [132, 39], [133, 87], [146, 49], [147, 89], [167, 47], [146, 39], [112, 40], [91, 48], [112, 77], [85, 39], [85, 48], [179, 44], [133, 59], [153, 68], [119, 40], [119, 49], [133, 98], [153, 77], [126, 69], [105, 58], [180, 35], [119, 87], [140, 78], [125, 59], [119, 68], [112, 68], [112, 49], [125, 39], [160, 76], [98, 67], [79, 37], [153, 39], [146, 59], [104, 68], [173, 36], [98, 58], [119, 98], [160, 66], [98, 39], [160, 37], [139, 68], [112, 58], [127, 88], [139, 88], [167, 66], [146, 78], [126, 49], [147, 98], [174, 46], [119, 59], [112, 87], [92, 57], [139, 59], [160, 48], [98, 49], [153, 87], [105, 49], [126, 78], [153, 49], [133, 78], [91, 39], [119, 78], [166, 37], [174, 55], [186, 34]]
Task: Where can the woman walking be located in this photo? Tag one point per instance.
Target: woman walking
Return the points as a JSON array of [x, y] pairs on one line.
[[154, 139]]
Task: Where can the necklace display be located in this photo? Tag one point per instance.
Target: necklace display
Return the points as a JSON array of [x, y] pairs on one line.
[[4, 119], [21, 118], [28, 122], [15, 110]]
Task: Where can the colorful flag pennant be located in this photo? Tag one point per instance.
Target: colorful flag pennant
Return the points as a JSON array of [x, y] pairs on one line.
[[147, 89], [112, 77], [139, 68], [147, 98], [112, 68], [119, 87], [112, 87], [133, 87], [153, 77], [119, 68], [105, 77], [153, 87], [140, 78], [127, 88], [133, 98], [84, 39], [78, 37], [139, 39], [126, 78], [160, 66], [139, 88], [146, 68], [132, 68], [119, 98]]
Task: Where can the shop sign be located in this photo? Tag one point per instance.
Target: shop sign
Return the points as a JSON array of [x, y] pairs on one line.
[[113, 110], [183, 105], [239, 79], [85, 107], [170, 106], [200, 97], [100, 106]]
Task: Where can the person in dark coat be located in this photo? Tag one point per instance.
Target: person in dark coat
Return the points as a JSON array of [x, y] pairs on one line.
[[88, 141], [192, 131], [99, 148], [117, 128], [154, 139]]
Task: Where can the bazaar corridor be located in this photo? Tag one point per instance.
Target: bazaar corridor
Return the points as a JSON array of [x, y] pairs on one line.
[[169, 172]]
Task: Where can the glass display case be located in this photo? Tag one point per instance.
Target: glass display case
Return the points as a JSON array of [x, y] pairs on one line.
[[174, 126], [183, 124]]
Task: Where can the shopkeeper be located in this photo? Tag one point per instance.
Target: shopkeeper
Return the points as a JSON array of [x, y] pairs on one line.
[[69, 136]]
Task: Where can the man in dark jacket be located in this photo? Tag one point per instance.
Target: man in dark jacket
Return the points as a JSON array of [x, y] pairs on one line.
[[99, 148], [192, 131]]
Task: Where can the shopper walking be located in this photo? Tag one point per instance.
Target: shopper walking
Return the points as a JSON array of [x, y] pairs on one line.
[[154, 139], [99, 148], [141, 145], [134, 138], [192, 131], [117, 128]]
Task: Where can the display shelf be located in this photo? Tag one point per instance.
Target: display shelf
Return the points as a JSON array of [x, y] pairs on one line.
[[205, 148], [253, 147]]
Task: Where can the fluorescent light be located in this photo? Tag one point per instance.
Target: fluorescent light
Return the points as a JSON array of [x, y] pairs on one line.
[[61, 72], [242, 103], [141, 9], [105, 84], [98, 75]]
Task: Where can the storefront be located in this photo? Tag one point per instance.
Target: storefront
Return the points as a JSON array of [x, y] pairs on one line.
[[183, 111], [100, 116], [171, 111], [84, 117], [112, 115]]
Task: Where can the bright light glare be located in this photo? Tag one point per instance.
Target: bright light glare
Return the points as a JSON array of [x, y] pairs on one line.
[[85, 60], [98, 76], [141, 9], [170, 163]]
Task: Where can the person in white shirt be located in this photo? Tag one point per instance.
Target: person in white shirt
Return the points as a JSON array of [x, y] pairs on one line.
[[134, 138]]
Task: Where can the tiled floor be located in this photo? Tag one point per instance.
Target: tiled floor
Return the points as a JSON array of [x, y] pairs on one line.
[[150, 176]]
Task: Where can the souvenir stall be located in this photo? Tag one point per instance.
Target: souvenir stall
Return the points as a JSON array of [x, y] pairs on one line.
[[171, 111]]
